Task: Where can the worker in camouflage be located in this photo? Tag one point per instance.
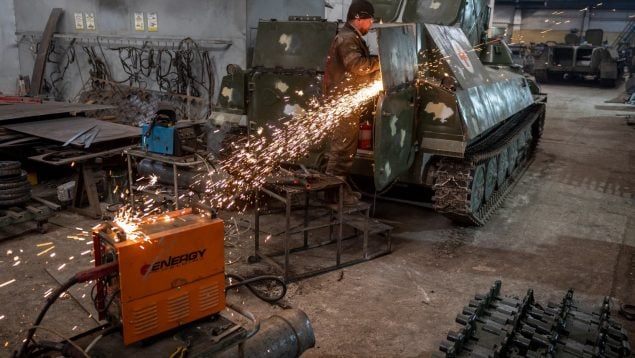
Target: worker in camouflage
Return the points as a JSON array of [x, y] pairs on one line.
[[349, 66]]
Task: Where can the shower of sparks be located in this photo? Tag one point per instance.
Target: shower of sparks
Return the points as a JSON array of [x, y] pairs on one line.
[[45, 251], [286, 143], [249, 162], [48, 292], [76, 238], [44, 244], [256, 158], [7, 283]]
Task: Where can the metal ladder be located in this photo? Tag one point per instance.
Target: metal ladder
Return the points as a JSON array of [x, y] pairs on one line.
[[624, 38]]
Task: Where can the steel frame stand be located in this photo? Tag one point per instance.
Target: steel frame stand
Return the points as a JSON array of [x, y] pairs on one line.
[[338, 215], [86, 184], [175, 162]]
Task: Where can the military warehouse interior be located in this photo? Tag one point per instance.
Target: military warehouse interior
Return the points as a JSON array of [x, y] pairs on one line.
[[317, 178]]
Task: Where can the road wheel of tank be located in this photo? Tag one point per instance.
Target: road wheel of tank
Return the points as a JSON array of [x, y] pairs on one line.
[[520, 147], [477, 188], [538, 127], [541, 76], [491, 175], [512, 156], [608, 82], [503, 163]]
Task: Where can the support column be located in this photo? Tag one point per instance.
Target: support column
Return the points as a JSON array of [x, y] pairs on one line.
[[515, 35]]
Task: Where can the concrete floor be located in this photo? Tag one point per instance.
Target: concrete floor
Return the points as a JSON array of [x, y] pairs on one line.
[[569, 223]]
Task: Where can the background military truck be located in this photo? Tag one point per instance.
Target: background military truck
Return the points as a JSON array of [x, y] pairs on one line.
[[588, 60]]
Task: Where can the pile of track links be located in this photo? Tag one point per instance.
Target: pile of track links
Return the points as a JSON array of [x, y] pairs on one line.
[[497, 326], [14, 186]]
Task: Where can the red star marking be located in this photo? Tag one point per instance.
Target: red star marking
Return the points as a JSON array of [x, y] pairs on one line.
[[463, 56]]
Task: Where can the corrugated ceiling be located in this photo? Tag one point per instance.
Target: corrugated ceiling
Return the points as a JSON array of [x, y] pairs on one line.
[[571, 4]]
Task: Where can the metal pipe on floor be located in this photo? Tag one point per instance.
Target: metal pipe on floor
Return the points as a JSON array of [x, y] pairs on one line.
[[285, 335]]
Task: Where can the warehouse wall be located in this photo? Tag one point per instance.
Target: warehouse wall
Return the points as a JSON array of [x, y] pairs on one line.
[[10, 67], [208, 19], [534, 23], [337, 10], [199, 19]]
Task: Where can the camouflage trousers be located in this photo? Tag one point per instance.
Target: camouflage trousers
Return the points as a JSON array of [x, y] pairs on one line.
[[343, 147]]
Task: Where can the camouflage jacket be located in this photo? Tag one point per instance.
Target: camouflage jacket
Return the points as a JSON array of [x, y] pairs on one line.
[[349, 58]]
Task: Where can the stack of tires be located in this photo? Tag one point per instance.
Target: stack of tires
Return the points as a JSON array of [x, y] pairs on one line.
[[14, 186], [499, 326]]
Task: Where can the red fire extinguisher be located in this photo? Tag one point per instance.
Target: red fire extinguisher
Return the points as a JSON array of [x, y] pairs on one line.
[[365, 136]]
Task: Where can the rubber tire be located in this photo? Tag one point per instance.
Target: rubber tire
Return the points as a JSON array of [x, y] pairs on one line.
[[20, 200], [13, 185], [15, 178], [9, 173], [15, 194], [11, 164]]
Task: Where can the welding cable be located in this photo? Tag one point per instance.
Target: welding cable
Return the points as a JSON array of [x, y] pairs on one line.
[[109, 302], [249, 315], [627, 311], [250, 281], [78, 348], [92, 343], [83, 276], [52, 298]]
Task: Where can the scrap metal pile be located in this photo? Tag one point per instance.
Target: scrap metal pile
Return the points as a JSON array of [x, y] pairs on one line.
[[136, 106], [500, 326]]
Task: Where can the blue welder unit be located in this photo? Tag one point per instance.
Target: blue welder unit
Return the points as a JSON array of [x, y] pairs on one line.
[[171, 139], [158, 139]]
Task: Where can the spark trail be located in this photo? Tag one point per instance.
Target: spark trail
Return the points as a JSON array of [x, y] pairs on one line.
[[259, 156]]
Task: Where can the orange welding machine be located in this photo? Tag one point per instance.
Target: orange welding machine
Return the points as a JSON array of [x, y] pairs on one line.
[[172, 276]]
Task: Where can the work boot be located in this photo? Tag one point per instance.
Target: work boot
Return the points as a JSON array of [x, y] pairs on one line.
[[351, 197]]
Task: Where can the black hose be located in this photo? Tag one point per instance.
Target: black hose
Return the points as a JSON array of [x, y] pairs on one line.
[[627, 311], [249, 281], [63, 288]]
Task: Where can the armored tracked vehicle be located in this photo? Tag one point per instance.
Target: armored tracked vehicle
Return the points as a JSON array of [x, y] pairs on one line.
[[444, 121], [589, 60]]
